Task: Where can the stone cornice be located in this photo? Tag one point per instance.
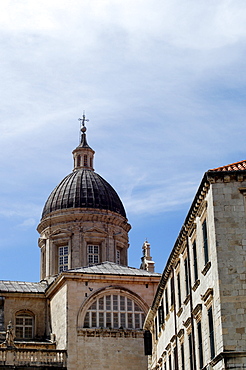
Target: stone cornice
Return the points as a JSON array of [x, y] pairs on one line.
[[93, 277], [113, 333], [81, 215]]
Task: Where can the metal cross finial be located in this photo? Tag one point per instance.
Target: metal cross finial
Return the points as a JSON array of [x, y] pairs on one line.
[[83, 120]]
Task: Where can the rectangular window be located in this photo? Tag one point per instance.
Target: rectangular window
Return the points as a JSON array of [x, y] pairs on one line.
[[170, 362], [118, 256], [101, 319], [175, 358], [108, 320], [160, 315], [172, 290], [63, 258], [93, 254], [156, 329], [211, 332], [200, 349], [115, 320], [108, 302], [123, 320], [190, 351], [187, 288], [115, 302], [24, 327], [205, 241], [1, 313], [166, 301], [130, 322], [195, 260], [137, 320], [129, 304], [122, 303], [182, 356], [179, 290]]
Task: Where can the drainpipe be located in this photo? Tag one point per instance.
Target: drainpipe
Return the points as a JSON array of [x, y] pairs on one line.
[[191, 308]]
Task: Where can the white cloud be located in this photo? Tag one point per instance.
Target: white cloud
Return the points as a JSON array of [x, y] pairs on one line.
[[162, 82], [28, 223]]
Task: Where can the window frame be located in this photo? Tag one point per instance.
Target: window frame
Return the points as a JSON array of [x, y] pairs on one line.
[[94, 254], [121, 312], [23, 315], [205, 240], [63, 258]]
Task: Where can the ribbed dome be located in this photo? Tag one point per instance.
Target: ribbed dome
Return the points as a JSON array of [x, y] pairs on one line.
[[83, 188]]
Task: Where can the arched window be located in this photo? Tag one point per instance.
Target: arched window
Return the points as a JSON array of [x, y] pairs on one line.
[[114, 311], [85, 161], [24, 325], [78, 161]]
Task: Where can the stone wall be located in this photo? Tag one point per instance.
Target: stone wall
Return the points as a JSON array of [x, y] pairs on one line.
[[229, 211], [35, 304]]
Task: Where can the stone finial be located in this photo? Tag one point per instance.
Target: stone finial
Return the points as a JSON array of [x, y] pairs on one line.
[[147, 263]]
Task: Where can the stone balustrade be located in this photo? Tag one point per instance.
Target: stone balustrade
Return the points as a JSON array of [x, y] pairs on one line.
[[37, 358]]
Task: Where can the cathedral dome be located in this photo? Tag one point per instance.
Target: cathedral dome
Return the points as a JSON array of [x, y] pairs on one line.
[[84, 188]]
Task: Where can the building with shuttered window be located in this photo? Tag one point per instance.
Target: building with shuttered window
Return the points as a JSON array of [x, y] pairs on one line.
[[197, 318]]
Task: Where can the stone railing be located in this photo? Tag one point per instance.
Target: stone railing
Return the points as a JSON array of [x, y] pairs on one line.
[[37, 358]]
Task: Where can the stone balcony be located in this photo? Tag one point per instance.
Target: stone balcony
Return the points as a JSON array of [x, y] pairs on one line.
[[33, 358]]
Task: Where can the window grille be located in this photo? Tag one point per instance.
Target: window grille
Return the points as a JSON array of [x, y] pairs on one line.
[[24, 326], [93, 254], [114, 311], [63, 258]]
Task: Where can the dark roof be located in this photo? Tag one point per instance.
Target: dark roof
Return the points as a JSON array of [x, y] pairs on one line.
[[22, 287], [237, 166], [111, 268], [84, 188], [84, 143]]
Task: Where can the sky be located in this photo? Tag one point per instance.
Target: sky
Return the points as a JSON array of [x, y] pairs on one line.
[[163, 84]]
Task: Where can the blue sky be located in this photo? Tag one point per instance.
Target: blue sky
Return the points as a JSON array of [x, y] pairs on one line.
[[164, 86]]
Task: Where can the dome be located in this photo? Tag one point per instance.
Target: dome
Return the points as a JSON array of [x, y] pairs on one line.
[[84, 188]]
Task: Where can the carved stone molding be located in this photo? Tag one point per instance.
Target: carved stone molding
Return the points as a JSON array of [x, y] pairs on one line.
[[207, 297], [196, 285], [206, 268], [188, 325], [197, 312], [112, 333]]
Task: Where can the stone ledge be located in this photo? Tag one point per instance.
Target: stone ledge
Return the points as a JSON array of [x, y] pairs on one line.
[[196, 285], [206, 268], [113, 333]]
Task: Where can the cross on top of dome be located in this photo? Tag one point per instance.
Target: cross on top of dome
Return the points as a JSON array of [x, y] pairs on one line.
[[82, 123]]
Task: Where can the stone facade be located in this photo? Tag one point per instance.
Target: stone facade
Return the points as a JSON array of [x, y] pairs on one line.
[[88, 310], [111, 348], [197, 319]]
